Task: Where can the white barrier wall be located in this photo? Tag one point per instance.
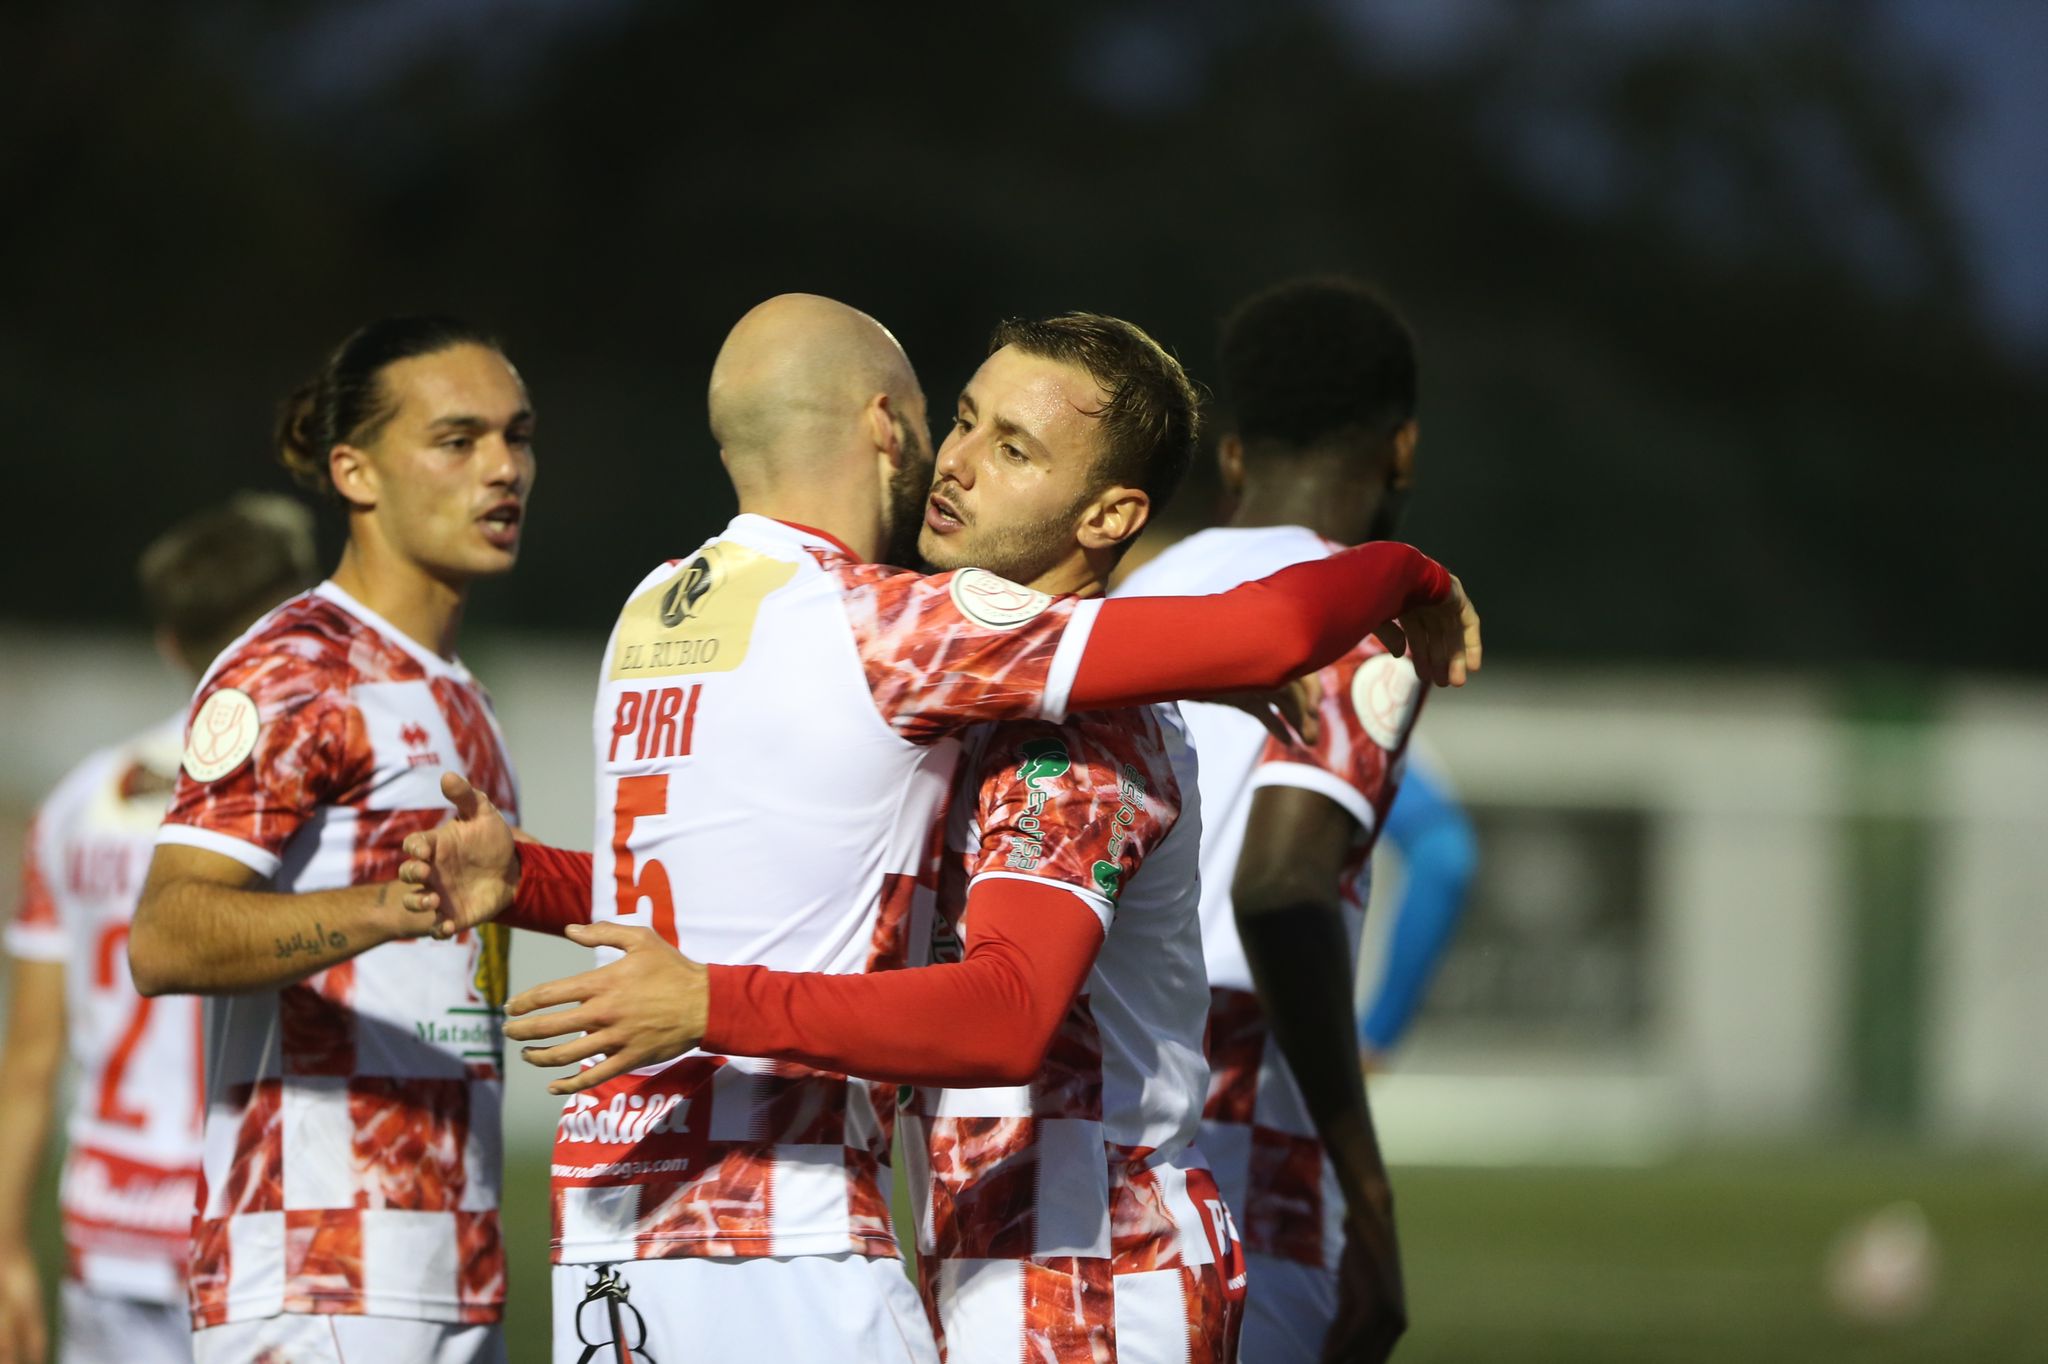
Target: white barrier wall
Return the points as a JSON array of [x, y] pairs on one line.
[[1744, 782]]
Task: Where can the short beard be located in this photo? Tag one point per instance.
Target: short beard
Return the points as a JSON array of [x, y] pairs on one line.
[[1021, 553], [909, 488]]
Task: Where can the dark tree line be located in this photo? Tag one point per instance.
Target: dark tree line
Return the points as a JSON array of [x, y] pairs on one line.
[[1702, 375]]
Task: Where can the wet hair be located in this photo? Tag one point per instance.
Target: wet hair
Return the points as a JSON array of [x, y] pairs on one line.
[[1153, 416], [1315, 358], [207, 578], [345, 403]]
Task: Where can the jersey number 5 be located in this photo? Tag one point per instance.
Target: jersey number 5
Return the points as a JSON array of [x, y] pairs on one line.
[[641, 797]]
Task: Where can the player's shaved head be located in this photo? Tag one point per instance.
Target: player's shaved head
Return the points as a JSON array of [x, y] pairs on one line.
[[792, 380]]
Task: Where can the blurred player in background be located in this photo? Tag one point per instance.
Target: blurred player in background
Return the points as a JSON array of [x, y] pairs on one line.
[[770, 735], [1439, 857], [349, 1192], [1318, 382], [133, 1128]]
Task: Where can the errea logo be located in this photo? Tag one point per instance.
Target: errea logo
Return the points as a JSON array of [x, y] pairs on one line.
[[414, 736]]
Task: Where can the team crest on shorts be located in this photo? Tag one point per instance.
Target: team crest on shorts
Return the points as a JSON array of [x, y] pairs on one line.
[[222, 735], [995, 602], [1384, 694]]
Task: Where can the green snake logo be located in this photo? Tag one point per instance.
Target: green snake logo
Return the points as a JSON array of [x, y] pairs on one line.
[[1108, 879], [1044, 759]]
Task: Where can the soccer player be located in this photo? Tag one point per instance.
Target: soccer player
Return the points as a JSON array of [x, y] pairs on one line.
[[1063, 1215], [133, 1125], [1318, 377], [769, 729], [348, 1201], [1439, 857]]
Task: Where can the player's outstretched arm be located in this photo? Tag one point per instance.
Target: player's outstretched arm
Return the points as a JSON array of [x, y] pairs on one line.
[[1261, 634], [465, 870], [475, 867], [986, 1019], [203, 927], [1440, 858], [1292, 927], [31, 1059]]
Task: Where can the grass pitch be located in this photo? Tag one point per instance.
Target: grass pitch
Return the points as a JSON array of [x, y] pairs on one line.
[[1712, 1259]]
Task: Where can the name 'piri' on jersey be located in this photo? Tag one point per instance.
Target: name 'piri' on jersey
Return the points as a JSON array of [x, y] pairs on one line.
[[661, 722]]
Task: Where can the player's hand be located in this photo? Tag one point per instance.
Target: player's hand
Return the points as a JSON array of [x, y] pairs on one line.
[[464, 872], [1372, 1303], [647, 1007], [1288, 714], [1440, 639], [24, 1338]]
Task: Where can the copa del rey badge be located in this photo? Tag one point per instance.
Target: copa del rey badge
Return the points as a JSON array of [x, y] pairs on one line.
[[995, 602], [1384, 693], [222, 735]]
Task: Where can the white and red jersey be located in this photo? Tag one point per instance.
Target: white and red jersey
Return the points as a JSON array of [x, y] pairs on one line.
[[352, 1129], [1256, 1129], [1056, 1214], [133, 1129], [772, 756]]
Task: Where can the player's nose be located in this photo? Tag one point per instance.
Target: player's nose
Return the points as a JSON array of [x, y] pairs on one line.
[[502, 466], [953, 466]]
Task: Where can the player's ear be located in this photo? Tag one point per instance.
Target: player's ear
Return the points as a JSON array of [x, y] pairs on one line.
[[355, 476], [1403, 474], [1230, 464], [171, 650], [1114, 518], [883, 431]]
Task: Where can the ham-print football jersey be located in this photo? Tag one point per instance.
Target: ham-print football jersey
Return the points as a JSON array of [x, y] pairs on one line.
[[1256, 1130], [352, 1126], [772, 752], [1071, 1219], [133, 1129]]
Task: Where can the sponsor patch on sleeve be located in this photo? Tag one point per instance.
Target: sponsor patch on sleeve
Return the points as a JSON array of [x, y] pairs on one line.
[[222, 735], [1384, 694], [995, 602]]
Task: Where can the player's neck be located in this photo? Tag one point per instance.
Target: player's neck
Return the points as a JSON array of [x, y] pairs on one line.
[[1083, 575], [825, 511], [1335, 513], [426, 609]]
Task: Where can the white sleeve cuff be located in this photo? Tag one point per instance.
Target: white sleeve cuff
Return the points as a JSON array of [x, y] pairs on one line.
[[1308, 778], [37, 942], [264, 864], [1104, 910], [1066, 660]]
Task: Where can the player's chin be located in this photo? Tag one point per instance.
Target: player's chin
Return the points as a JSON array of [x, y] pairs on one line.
[[490, 561], [942, 553]]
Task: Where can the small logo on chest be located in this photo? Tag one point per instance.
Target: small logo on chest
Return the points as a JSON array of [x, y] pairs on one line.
[[416, 740]]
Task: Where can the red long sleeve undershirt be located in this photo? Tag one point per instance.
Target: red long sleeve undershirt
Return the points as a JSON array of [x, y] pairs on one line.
[[554, 889], [1255, 637], [986, 1019]]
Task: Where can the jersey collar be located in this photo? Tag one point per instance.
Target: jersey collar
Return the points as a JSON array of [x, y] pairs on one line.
[[827, 536]]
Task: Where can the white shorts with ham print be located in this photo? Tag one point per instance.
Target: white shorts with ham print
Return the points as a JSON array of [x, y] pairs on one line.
[[343, 1338], [845, 1309]]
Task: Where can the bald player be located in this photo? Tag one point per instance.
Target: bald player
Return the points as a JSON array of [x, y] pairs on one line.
[[772, 739]]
